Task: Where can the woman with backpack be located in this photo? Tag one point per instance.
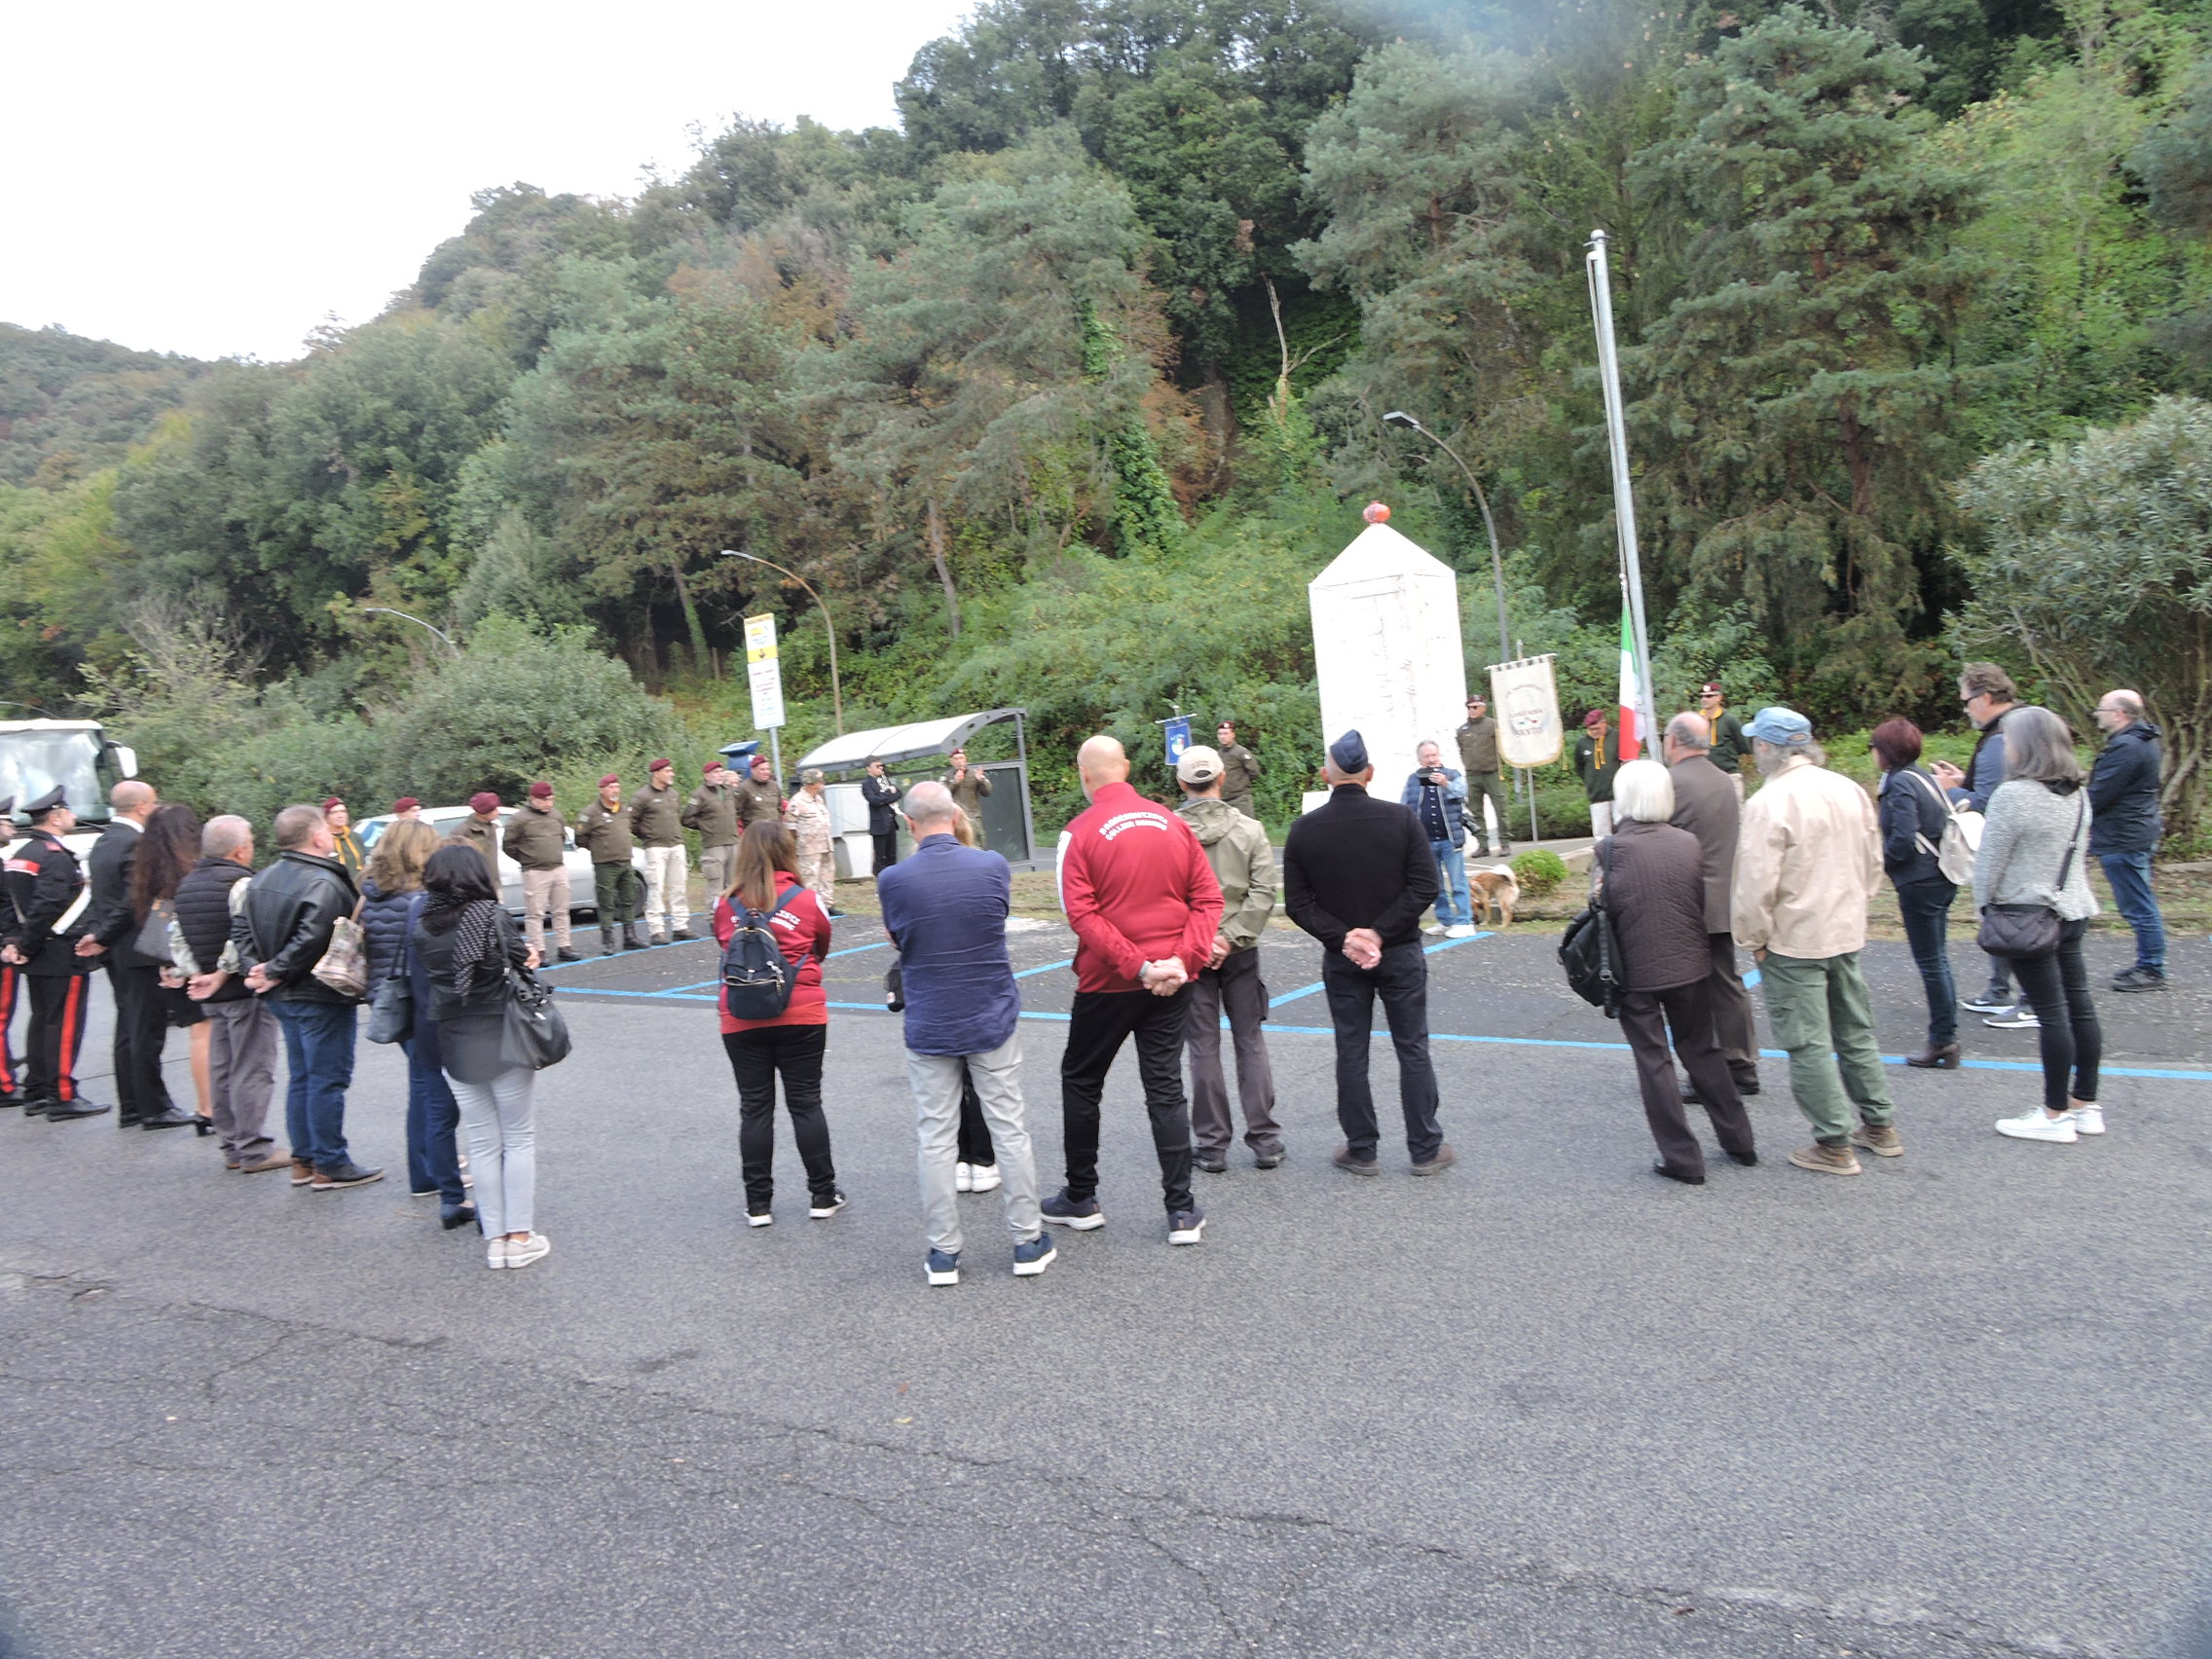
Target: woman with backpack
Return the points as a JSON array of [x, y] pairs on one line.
[[775, 1015], [1913, 812], [467, 945]]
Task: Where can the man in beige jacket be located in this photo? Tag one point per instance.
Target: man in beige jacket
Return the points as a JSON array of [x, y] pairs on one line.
[[1806, 862]]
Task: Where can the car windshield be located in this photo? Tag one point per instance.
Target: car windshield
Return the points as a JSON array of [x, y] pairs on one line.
[[32, 762]]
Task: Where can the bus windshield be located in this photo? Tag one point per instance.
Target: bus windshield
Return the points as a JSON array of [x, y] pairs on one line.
[[32, 762]]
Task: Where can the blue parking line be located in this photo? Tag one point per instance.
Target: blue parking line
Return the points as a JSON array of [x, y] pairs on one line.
[[856, 950], [1046, 969], [1426, 950]]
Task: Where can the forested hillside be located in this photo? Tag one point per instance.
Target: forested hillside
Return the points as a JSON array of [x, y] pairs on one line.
[[1062, 392]]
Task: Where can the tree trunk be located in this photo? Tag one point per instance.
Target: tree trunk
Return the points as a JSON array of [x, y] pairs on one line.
[[943, 570], [692, 624]]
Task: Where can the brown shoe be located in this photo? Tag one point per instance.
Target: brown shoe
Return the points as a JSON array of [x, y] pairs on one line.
[[302, 1171], [1826, 1160], [1444, 1159], [1343, 1159], [1880, 1139], [273, 1160], [1932, 1058]]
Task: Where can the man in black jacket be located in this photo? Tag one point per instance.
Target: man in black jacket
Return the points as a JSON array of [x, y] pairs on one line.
[[283, 932], [1357, 874], [882, 798], [111, 931], [2124, 823], [46, 901], [241, 1029]]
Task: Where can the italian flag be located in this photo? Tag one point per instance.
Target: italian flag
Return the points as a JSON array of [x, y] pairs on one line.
[[1629, 744]]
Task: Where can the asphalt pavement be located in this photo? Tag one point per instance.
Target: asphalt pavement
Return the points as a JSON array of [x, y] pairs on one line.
[[1545, 1405]]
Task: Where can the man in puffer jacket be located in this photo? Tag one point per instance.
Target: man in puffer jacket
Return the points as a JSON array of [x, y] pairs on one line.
[[241, 1029], [1237, 849]]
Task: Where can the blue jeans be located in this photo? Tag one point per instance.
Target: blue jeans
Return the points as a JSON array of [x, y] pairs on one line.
[[2131, 877], [1453, 906], [1926, 907], [433, 1163], [319, 1053]]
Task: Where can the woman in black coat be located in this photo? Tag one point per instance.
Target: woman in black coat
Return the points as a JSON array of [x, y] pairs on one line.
[[1652, 876], [1912, 811]]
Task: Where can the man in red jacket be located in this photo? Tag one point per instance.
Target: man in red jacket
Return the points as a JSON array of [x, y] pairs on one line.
[[1145, 908]]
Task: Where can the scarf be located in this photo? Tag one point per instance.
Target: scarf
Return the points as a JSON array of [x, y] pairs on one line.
[[478, 964]]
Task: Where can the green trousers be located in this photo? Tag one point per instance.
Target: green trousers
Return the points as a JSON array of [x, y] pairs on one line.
[[619, 892], [1824, 1021], [1493, 785]]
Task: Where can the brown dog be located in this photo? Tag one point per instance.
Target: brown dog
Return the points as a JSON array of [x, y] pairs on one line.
[[1493, 890]]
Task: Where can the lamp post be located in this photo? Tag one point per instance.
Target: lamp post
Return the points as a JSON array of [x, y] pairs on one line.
[[387, 610], [836, 690], [1497, 560]]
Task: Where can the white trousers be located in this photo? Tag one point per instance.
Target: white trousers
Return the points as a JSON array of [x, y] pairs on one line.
[[501, 1132], [667, 900]]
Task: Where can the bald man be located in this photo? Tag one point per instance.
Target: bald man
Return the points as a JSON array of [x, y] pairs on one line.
[[111, 933], [1145, 908]]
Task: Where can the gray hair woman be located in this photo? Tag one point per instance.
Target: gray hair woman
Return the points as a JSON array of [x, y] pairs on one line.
[[2035, 843], [1653, 875]]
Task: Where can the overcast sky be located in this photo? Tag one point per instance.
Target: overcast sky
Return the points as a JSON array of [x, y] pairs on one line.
[[216, 179]]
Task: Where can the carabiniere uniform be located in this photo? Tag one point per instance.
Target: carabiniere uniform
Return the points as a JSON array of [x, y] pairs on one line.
[[11, 976], [45, 887]]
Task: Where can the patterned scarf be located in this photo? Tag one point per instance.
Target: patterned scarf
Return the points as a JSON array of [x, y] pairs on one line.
[[478, 964]]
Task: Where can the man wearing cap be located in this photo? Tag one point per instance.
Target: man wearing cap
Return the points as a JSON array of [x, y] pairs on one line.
[[881, 796], [1356, 874], [536, 840], [406, 806], [1242, 861], [1240, 771], [712, 811], [759, 799], [342, 836], [1439, 800], [968, 786], [1480, 759], [1597, 758], [1146, 910], [808, 815], [1730, 747], [617, 889], [657, 819], [1807, 862], [111, 931], [481, 830], [47, 895]]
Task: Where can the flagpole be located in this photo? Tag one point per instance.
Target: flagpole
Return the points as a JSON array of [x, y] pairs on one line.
[[1624, 500]]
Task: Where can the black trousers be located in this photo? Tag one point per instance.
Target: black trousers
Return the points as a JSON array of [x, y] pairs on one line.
[[1731, 1004], [756, 1059], [56, 1035], [2072, 1042], [1645, 1018], [1101, 1022], [141, 1027], [10, 1073], [886, 850], [975, 1132], [1401, 981]]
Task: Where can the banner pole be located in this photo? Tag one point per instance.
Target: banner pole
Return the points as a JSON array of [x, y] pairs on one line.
[[1624, 498]]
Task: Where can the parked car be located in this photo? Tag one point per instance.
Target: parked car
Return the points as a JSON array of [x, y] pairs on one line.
[[445, 820]]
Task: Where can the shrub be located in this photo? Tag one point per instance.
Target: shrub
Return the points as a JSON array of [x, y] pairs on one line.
[[1539, 872]]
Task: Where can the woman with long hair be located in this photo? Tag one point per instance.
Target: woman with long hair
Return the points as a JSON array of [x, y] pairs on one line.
[[168, 847], [2035, 845], [391, 897], [791, 1045], [1913, 811], [467, 943]]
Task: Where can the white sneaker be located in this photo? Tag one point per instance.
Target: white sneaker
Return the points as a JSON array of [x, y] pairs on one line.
[[2088, 1120], [496, 1252], [1464, 930], [985, 1178], [763, 1218], [521, 1252], [2034, 1126], [1433, 927], [963, 1178]]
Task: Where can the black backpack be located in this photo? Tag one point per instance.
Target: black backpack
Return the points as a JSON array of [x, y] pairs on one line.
[[756, 979], [1590, 952]]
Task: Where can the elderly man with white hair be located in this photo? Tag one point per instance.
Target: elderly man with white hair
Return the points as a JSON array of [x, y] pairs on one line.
[[1806, 866], [241, 1027]]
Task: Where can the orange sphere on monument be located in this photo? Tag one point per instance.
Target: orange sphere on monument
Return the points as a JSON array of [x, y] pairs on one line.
[[1376, 513]]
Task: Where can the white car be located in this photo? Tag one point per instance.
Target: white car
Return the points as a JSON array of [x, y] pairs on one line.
[[583, 894]]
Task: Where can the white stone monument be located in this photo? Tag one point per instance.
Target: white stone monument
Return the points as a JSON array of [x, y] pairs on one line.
[[1386, 649]]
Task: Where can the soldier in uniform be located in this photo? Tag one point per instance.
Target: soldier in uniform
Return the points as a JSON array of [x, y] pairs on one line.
[[1730, 747], [714, 810], [759, 799], [618, 891], [47, 894], [1239, 772], [1480, 759], [11, 977], [969, 787]]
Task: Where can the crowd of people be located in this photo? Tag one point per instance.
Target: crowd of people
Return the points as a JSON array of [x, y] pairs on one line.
[[1168, 909]]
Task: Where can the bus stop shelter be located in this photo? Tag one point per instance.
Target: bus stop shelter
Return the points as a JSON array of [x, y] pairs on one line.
[[916, 750]]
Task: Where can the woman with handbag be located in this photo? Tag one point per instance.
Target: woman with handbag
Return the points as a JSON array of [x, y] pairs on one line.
[[469, 948], [390, 892], [1912, 809], [792, 1043], [168, 849], [2034, 896]]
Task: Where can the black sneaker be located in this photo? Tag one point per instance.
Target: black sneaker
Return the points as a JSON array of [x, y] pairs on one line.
[[2140, 978], [564, 954], [1212, 1162], [1078, 1215], [1183, 1227], [1269, 1156], [822, 1209]]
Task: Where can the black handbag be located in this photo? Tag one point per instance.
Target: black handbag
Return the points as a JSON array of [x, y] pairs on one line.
[[391, 1010], [534, 1035], [2028, 932], [1590, 952]]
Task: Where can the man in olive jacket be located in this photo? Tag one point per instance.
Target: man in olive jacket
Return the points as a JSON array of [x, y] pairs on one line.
[[617, 889], [713, 810], [759, 799], [537, 840], [1244, 864], [481, 830], [657, 820], [968, 786], [1240, 771], [1480, 760]]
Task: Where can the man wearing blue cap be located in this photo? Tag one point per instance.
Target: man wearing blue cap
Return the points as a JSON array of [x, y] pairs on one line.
[[1357, 874], [1806, 862]]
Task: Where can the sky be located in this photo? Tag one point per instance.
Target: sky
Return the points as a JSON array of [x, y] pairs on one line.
[[220, 179]]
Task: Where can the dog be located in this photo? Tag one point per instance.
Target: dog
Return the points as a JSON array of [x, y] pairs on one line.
[[1493, 890]]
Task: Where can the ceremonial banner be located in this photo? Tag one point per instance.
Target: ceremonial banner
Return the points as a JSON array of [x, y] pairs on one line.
[[1526, 700], [1178, 732]]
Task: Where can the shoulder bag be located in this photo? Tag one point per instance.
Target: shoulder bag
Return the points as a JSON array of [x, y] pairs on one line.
[[1954, 854], [1590, 952], [534, 1034], [2026, 932], [345, 965], [152, 938]]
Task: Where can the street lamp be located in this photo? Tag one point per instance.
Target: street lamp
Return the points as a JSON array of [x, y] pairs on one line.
[[387, 610], [1497, 560], [836, 690]]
